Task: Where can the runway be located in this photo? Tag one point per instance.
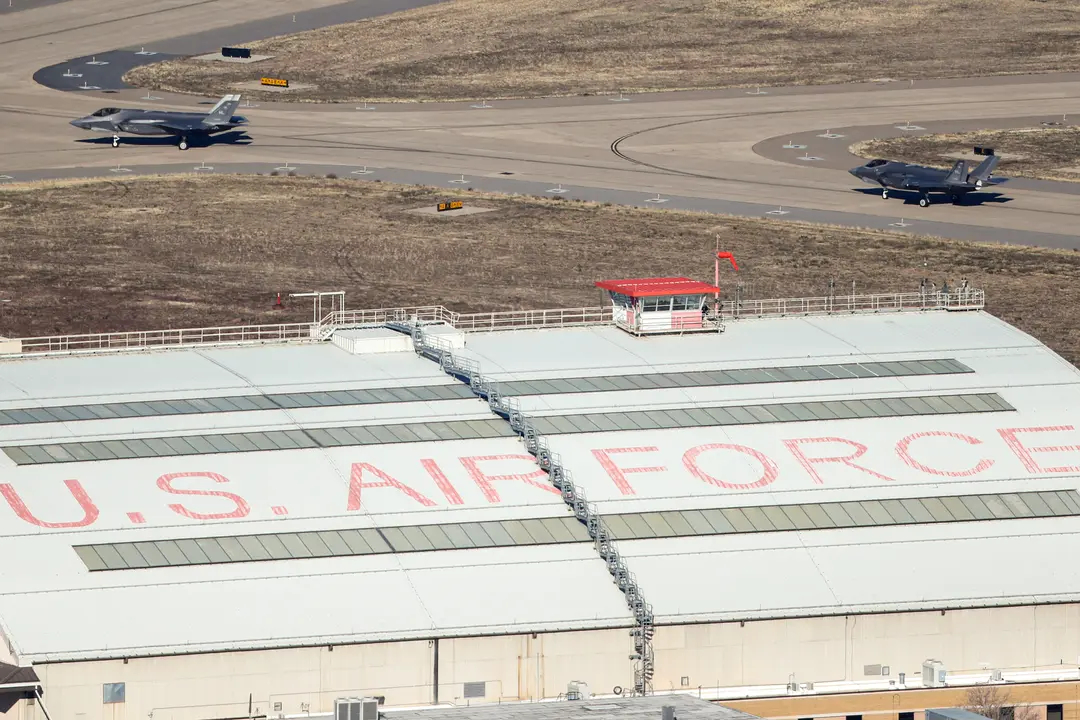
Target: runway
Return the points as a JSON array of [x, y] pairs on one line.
[[716, 151]]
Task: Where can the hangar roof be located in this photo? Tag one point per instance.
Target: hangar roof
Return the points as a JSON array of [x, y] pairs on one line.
[[304, 482]]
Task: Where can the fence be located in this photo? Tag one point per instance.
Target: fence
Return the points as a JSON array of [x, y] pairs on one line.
[[184, 337], [960, 299]]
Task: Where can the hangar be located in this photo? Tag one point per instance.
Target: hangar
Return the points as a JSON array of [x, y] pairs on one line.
[[437, 508]]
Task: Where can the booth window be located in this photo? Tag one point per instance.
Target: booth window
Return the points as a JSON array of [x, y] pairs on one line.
[[686, 302], [656, 304]]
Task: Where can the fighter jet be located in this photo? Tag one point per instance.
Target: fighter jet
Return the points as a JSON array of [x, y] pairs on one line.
[[925, 180], [186, 126]]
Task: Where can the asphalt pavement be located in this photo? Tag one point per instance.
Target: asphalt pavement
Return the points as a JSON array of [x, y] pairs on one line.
[[710, 150]]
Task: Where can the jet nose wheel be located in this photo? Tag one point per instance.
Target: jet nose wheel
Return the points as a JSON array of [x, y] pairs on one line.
[[885, 194], [183, 144], [116, 141], [924, 201]]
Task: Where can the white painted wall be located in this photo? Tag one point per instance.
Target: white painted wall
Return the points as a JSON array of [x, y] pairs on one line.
[[199, 687]]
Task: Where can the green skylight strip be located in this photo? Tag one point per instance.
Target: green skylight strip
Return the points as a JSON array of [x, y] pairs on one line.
[[740, 376], [772, 413], [353, 542], [256, 441], [234, 403]]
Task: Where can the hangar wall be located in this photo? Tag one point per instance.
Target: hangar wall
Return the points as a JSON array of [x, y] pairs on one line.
[[199, 687], [838, 648]]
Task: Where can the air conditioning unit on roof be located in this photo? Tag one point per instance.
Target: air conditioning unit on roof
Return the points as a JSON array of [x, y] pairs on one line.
[[933, 673], [356, 709]]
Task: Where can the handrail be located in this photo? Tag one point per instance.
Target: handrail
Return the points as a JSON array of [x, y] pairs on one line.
[[532, 319], [178, 337], [958, 299], [964, 299]]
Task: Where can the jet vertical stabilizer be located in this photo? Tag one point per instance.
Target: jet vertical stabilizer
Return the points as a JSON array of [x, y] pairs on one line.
[[958, 173], [223, 111], [982, 173]]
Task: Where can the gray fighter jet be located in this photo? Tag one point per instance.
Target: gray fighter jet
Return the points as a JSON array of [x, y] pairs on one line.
[[925, 180], [185, 126]]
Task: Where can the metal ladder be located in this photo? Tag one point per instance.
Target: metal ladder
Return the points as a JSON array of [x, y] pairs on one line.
[[468, 371]]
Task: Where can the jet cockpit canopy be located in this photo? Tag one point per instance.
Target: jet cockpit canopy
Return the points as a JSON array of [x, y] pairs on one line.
[[876, 163], [104, 112]]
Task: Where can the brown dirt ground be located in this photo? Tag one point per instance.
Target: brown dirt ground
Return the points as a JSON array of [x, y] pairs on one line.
[[87, 256], [1042, 152], [528, 48]]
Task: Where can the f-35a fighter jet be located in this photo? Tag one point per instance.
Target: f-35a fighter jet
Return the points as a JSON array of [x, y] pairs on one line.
[[925, 180], [185, 126]]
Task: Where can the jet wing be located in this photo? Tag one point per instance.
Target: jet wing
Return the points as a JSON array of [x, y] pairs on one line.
[[176, 128], [170, 127], [914, 182]]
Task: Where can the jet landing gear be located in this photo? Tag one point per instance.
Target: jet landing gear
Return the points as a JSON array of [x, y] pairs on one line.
[[885, 194], [116, 141], [924, 201], [183, 143]]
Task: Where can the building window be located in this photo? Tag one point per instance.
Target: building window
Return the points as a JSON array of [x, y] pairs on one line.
[[906, 716], [655, 304], [1054, 712], [686, 302], [854, 717], [112, 693]]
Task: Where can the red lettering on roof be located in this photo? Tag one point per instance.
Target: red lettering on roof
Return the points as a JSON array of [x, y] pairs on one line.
[[905, 455], [768, 467], [849, 460], [537, 478], [617, 474], [1026, 454], [90, 511], [356, 484], [442, 481], [240, 509]]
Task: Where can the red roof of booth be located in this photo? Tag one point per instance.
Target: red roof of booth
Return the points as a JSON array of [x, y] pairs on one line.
[[652, 287]]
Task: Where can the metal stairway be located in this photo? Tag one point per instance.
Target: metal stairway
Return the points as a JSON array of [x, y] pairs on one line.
[[468, 371]]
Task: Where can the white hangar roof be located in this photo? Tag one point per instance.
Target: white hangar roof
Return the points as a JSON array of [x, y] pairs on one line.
[[814, 465]]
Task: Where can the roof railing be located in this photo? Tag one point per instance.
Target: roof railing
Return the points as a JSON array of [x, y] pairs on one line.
[[958, 299]]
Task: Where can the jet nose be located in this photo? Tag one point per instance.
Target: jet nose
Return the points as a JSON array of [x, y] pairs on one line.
[[79, 123], [854, 171]]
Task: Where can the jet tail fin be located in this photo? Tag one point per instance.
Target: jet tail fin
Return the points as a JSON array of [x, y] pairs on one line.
[[958, 173], [982, 173], [225, 108]]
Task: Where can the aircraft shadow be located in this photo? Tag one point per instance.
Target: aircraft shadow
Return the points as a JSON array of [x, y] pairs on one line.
[[226, 138], [912, 198]]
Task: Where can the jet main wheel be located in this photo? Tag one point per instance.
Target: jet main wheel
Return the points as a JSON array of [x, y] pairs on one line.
[[885, 194], [924, 201], [183, 144], [116, 141]]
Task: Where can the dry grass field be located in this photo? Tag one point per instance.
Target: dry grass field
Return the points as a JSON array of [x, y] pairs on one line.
[[1043, 152], [527, 48], [96, 256]]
